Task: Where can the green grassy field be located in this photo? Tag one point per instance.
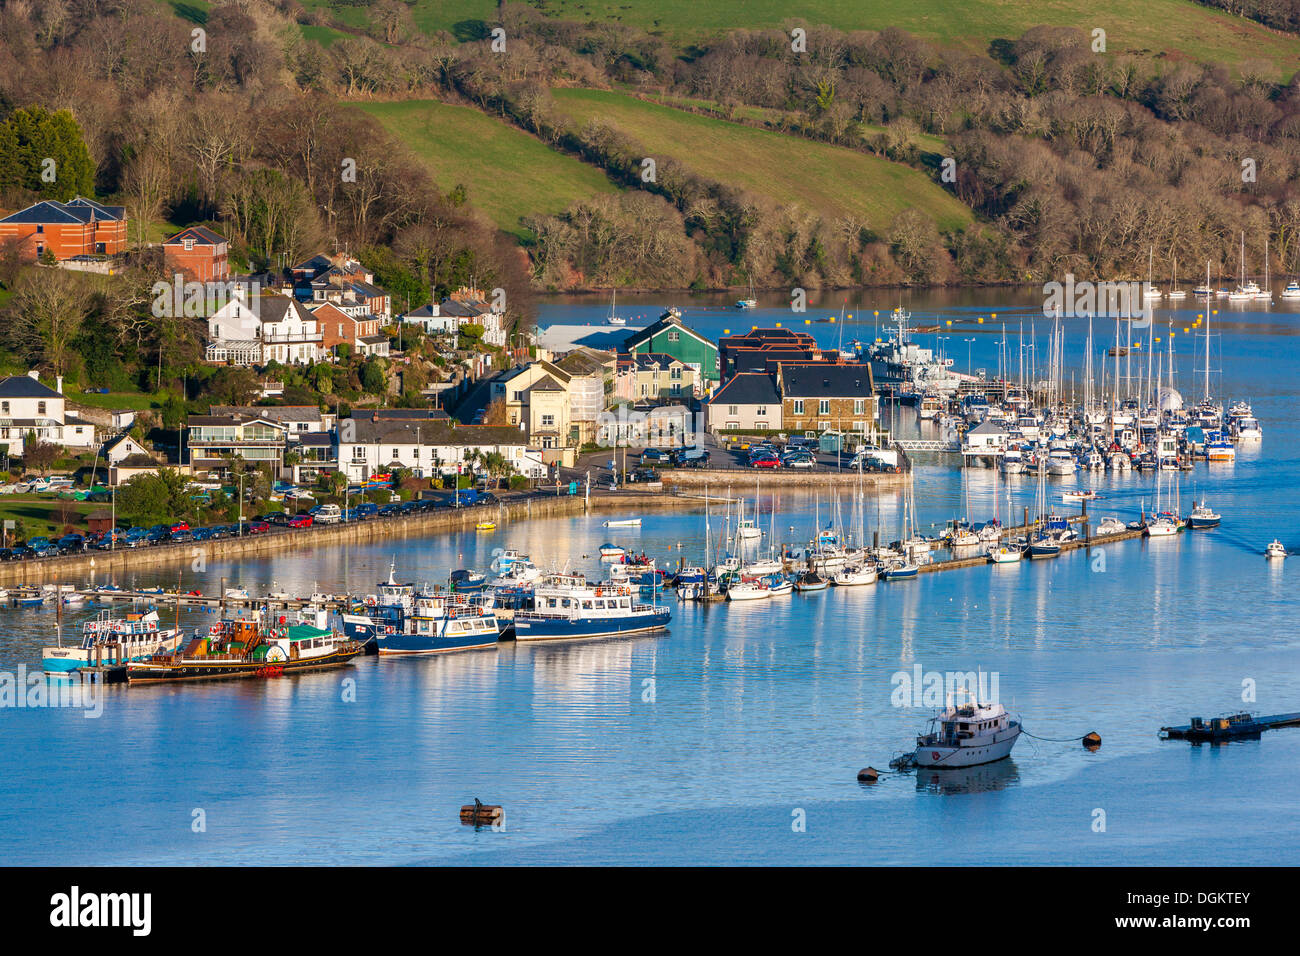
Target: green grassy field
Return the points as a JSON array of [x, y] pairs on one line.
[[39, 514], [785, 169], [1182, 28], [508, 173]]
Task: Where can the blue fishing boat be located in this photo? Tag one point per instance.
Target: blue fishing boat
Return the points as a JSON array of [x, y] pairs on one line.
[[438, 624], [466, 580], [566, 606]]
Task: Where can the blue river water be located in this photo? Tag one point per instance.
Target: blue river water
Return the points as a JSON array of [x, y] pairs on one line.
[[737, 735]]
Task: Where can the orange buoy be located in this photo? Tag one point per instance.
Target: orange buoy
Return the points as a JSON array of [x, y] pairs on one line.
[[868, 775], [1092, 741]]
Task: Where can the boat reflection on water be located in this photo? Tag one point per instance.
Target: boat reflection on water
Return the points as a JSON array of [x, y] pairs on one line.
[[982, 779]]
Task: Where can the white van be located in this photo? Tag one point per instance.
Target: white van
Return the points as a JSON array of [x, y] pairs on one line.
[[328, 514]]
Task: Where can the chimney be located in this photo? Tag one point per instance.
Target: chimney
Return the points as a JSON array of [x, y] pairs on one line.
[[34, 375], [58, 384]]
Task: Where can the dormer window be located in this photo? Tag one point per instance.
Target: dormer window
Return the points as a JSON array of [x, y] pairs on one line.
[[188, 244]]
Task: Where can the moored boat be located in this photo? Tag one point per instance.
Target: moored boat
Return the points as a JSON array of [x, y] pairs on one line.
[[566, 606], [1203, 517], [967, 736], [247, 647], [111, 642]]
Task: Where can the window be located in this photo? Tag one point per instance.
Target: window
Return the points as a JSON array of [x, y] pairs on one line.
[[40, 228], [358, 453], [761, 411], [189, 244], [798, 406], [548, 421], [677, 372], [824, 407], [733, 409], [396, 456], [859, 405], [674, 337], [40, 408], [824, 426], [4, 407]]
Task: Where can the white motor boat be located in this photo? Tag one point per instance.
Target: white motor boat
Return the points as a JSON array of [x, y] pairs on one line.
[[748, 591], [1005, 554], [855, 576], [747, 530], [967, 736], [963, 538], [1292, 290], [1086, 495], [622, 523], [611, 551], [1061, 462], [1109, 526], [1275, 551]]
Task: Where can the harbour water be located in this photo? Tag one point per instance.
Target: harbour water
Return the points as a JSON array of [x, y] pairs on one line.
[[736, 736]]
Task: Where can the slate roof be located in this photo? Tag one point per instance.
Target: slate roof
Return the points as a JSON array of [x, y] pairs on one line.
[[201, 235], [24, 386], [403, 431], [747, 388], [78, 210], [821, 380]]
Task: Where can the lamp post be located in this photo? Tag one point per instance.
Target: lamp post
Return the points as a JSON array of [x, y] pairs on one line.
[[968, 359]]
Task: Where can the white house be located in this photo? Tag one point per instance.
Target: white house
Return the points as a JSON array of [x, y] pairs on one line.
[[368, 446], [30, 409], [263, 329], [986, 438]]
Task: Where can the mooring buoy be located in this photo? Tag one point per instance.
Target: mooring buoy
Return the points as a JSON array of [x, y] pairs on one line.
[[868, 775], [1092, 741], [480, 814]]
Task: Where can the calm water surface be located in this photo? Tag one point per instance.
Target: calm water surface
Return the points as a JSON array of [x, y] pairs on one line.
[[705, 744]]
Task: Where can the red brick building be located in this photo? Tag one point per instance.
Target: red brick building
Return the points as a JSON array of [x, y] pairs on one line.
[[198, 253], [361, 331], [81, 227]]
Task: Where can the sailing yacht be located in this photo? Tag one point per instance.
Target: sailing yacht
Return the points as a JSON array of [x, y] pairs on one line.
[[1246, 289], [751, 302], [1265, 293], [1174, 291], [613, 318]]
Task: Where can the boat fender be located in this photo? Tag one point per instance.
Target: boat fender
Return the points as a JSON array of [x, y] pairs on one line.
[[868, 775], [1092, 741]]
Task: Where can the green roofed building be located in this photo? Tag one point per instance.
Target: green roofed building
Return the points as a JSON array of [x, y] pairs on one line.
[[670, 337]]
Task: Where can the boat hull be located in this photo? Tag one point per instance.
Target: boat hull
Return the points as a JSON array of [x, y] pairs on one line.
[[562, 629], [934, 757], [149, 672]]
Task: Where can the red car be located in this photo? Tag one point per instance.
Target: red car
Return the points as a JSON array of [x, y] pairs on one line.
[[180, 526], [300, 521], [258, 527], [766, 463]]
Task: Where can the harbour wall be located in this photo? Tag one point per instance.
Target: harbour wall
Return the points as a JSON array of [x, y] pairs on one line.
[[446, 521]]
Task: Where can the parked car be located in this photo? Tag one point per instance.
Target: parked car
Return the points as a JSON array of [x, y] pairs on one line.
[[71, 543], [158, 534], [20, 552], [300, 521], [766, 461], [178, 526], [278, 518], [257, 526], [654, 456], [109, 540], [46, 550], [798, 459], [367, 509], [388, 511]]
